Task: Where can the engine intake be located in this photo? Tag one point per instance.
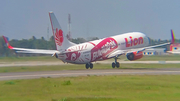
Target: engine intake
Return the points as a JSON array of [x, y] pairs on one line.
[[134, 55]]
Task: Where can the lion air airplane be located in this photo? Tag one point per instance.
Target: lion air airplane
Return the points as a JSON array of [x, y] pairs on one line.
[[174, 48], [129, 44]]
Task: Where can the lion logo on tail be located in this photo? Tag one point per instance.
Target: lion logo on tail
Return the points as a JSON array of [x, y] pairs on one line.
[[59, 37]]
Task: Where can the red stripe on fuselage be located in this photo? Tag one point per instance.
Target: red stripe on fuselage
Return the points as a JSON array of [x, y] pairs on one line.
[[92, 43]]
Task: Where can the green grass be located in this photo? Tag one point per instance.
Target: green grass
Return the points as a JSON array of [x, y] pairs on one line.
[[79, 67], [93, 88]]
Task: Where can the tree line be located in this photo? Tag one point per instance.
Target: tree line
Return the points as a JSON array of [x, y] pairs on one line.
[[42, 43]]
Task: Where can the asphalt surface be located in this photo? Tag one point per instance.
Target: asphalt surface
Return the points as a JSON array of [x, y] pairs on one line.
[[72, 73], [42, 63]]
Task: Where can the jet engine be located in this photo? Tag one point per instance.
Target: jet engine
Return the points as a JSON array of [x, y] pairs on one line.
[[134, 55]]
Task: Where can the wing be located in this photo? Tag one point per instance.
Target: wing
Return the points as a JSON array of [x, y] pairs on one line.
[[123, 52], [25, 50]]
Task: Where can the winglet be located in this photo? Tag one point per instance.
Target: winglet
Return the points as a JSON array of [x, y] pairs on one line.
[[7, 43], [172, 36]]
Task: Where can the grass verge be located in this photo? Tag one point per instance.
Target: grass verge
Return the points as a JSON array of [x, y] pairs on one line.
[[93, 88]]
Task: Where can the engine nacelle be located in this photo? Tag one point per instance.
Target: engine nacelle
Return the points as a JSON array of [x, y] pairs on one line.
[[134, 55]]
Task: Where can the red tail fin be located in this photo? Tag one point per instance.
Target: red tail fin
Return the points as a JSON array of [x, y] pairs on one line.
[[7, 43], [172, 36]]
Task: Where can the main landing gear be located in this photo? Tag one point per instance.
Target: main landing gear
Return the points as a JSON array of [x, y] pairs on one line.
[[115, 64], [89, 65]]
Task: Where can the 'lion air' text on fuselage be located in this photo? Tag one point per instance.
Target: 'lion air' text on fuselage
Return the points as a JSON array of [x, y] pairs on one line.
[[133, 41]]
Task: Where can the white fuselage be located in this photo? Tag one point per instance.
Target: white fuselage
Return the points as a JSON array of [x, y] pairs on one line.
[[100, 49]]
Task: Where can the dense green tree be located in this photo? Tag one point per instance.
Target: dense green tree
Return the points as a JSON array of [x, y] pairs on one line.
[[78, 40], [92, 38]]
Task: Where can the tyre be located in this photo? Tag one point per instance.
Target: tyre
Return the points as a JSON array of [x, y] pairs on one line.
[[91, 66], [113, 65], [87, 66], [117, 64]]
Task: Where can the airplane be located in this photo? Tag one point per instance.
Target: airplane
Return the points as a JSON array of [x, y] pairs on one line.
[[174, 47], [131, 44]]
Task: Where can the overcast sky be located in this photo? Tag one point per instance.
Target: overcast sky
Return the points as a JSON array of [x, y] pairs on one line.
[[22, 19]]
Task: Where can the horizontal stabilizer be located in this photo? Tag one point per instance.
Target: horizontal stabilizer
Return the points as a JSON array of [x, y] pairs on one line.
[[7, 43], [25, 50]]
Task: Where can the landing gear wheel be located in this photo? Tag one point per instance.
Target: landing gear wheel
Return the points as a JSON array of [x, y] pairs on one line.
[[117, 64], [91, 66], [87, 66], [113, 65]]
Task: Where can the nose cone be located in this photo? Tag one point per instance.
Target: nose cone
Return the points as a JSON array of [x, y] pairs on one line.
[[147, 40]]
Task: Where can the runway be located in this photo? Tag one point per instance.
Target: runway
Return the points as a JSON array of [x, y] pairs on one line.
[[42, 63], [74, 73]]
